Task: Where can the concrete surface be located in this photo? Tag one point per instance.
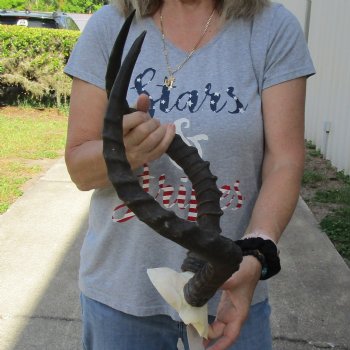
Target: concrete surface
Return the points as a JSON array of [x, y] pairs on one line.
[[40, 239], [310, 298]]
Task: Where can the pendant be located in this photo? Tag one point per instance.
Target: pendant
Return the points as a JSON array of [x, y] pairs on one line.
[[169, 82]]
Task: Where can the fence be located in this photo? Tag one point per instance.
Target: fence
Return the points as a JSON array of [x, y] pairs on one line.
[[327, 30]]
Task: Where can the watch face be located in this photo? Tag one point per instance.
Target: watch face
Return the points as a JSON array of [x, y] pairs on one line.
[[264, 272]]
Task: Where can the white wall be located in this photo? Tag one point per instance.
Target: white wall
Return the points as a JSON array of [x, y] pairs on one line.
[[328, 96], [299, 8]]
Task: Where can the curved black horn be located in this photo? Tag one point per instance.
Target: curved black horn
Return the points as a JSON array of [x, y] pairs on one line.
[[115, 58], [222, 256]]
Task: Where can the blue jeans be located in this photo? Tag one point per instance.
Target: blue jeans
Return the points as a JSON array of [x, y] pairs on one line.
[[105, 328]]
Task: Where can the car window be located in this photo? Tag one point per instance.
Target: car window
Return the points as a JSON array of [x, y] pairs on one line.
[[41, 23], [28, 22], [8, 20], [35, 20], [71, 24]]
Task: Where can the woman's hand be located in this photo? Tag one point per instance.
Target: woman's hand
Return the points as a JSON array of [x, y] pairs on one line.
[[145, 138], [234, 305]]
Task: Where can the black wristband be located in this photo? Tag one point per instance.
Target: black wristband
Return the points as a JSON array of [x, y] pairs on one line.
[[260, 257], [265, 251]]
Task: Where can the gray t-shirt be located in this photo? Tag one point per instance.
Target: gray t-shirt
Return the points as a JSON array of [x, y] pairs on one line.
[[216, 106]]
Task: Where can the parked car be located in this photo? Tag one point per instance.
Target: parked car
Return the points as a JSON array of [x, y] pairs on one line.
[[56, 20]]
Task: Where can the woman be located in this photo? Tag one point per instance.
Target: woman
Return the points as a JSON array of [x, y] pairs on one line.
[[229, 77]]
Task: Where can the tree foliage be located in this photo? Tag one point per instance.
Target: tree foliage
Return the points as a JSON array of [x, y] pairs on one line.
[[73, 6], [13, 4]]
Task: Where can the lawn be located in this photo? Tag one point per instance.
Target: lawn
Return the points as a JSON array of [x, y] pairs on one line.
[[327, 193], [28, 138]]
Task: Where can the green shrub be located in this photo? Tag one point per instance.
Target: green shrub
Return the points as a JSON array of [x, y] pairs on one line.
[[32, 62]]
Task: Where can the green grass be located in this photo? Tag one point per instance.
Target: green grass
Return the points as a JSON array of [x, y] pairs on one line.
[[337, 223], [26, 135], [339, 196], [342, 177], [332, 190], [31, 138], [337, 227], [12, 176], [311, 150], [312, 177]]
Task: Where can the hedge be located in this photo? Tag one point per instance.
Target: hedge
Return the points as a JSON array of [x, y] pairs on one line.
[[32, 62]]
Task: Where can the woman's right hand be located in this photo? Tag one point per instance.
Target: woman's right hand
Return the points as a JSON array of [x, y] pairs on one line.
[[145, 138]]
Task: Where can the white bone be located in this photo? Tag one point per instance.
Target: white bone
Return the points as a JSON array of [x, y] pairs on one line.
[[169, 284]]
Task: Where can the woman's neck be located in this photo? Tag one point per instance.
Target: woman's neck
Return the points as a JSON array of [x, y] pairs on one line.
[[185, 20]]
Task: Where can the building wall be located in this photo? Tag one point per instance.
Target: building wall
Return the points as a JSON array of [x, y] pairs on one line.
[[327, 29]]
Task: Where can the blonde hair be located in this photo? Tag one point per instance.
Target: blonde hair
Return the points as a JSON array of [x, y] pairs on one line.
[[227, 8]]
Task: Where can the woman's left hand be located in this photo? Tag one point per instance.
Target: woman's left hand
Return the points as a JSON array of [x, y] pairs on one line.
[[234, 305]]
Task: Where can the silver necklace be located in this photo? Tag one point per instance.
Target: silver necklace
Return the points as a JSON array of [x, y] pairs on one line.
[[170, 80]]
